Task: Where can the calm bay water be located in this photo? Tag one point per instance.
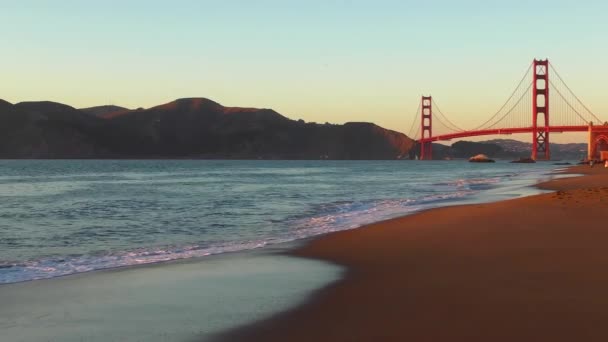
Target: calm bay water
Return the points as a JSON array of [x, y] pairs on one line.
[[60, 217]]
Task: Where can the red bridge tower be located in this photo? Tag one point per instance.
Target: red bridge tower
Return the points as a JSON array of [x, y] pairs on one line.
[[426, 148], [540, 105]]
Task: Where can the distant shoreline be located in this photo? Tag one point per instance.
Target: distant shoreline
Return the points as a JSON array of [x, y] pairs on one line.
[[526, 269]]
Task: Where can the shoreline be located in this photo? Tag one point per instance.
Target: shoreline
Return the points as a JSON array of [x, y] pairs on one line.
[[174, 301], [490, 194], [517, 269]]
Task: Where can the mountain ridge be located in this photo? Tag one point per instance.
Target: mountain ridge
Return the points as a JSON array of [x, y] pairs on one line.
[[185, 128]]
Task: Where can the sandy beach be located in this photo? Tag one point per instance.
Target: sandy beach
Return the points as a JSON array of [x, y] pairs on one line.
[[527, 269], [182, 300]]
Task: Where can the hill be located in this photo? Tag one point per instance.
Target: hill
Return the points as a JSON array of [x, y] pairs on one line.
[[104, 111], [505, 149], [185, 128], [201, 128], [571, 151], [47, 130]]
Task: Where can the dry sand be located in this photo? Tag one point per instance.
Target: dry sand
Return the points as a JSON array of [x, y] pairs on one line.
[[528, 269]]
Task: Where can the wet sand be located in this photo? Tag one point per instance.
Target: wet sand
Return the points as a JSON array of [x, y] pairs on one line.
[[182, 300], [528, 269]]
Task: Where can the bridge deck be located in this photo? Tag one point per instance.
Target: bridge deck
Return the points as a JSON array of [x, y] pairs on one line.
[[552, 129]]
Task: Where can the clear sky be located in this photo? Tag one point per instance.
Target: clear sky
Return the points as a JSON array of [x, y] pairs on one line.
[[319, 60]]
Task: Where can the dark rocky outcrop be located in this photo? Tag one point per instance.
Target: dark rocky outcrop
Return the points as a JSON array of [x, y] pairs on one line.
[[185, 128], [524, 161]]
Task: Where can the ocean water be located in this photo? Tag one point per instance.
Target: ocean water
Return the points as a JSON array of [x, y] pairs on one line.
[[60, 217]]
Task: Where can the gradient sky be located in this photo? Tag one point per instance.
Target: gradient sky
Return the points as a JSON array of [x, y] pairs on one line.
[[321, 61]]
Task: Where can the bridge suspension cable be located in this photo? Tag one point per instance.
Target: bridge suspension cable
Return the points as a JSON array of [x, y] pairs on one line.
[[513, 94], [569, 105], [415, 128], [441, 116], [578, 100], [517, 123]]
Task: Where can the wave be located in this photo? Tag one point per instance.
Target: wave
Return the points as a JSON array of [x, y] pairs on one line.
[[349, 215], [317, 219], [326, 218]]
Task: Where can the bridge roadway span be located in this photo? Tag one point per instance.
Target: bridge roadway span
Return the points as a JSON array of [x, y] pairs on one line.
[[498, 131]]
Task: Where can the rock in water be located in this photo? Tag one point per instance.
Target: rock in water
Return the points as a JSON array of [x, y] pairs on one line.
[[480, 158], [524, 161]]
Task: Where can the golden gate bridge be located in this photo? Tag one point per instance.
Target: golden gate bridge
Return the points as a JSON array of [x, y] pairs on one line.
[[526, 110]]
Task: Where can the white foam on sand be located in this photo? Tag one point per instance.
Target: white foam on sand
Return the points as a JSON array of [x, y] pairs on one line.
[[178, 301]]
